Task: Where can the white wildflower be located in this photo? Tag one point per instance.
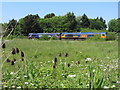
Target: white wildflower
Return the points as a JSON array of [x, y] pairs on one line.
[[104, 69], [88, 59], [48, 61], [5, 86], [13, 86], [26, 82], [105, 87], [113, 86], [93, 70], [87, 85], [19, 87], [118, 82], [71, 76], [32, 84], [12, 73], [25, 76]]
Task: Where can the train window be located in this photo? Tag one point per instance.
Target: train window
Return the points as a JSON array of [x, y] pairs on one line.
[[103, 34], [69, 35]]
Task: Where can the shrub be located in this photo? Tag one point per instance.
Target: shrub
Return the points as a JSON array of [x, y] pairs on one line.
[[96, 37], [54, 38], [44, 37], [112, 36]]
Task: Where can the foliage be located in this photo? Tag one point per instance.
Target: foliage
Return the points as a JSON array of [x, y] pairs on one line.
[[44, 37], [54, 38], [49, 15], [112, 36], [85, 23], [30, 24], [114, 25]]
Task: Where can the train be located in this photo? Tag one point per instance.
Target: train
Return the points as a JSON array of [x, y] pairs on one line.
[[79, 35]]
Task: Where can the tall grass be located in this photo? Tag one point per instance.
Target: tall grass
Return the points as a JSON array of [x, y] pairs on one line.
[[97, 67]]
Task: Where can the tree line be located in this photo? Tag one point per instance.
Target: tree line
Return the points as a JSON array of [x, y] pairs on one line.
[[53, 24]]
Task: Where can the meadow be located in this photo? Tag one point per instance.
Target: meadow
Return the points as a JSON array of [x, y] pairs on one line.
[[60, 64]]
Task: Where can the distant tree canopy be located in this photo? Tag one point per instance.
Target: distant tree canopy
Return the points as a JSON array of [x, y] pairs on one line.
[[51, 23], [114, 25]]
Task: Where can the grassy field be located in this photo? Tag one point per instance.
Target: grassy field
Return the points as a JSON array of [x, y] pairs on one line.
[[61, 64]]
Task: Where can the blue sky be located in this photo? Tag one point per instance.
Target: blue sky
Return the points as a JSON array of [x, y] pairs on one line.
[[17, 10]]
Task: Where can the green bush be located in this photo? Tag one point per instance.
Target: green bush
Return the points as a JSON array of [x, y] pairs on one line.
[[44, 37], [54, 38], [112, 36], [96, 37]]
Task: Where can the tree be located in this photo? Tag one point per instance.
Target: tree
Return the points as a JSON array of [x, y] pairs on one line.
[[9, 27], [114, 25], [96, 24], [85, 21], [30, 24], [50, 15], [71, 22]]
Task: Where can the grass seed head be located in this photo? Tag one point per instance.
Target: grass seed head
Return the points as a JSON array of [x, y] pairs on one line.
[[17, 50], [12, 63], [8, 60], [66, 54], [59, 54], [54, 66], [13, 51], [68, 65], [22, 54], [22, 59], [78, 62], [3, 45], [55, 59], [14, 59]]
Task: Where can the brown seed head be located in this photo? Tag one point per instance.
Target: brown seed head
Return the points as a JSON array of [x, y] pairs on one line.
[[17, 50], [59, 54], [12, 62], [13, 51], [54, 66], [3, 45], [22, 54], [55, 59], [22, 59], [68, 64], [78, 62], [14, 59], [8, 60], [66, 55]]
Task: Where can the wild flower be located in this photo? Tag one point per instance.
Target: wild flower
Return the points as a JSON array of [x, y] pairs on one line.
[[13, 86], [113, 86], [66, 54], [55, 60], [71, 76], [12, 73], [8, 60], [105, 87], [54, 66], [5, 86], [26, 82], [94, 70], [68, 65], [13, 51], [59, 54], [25, 76], [19, 87], [17, 50], [22, 54], [32, 84], [118, 82], [88, 59], [12, 63]]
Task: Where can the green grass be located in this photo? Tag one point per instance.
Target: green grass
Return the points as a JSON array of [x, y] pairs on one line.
[[101, 71]]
